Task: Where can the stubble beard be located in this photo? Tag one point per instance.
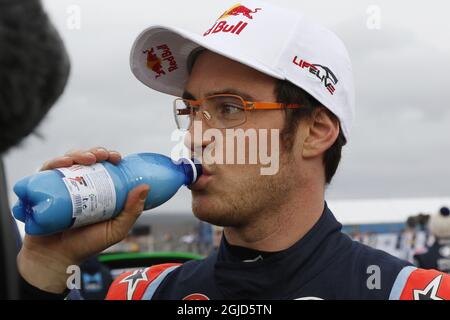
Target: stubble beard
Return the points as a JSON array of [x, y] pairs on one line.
[[243, 199]]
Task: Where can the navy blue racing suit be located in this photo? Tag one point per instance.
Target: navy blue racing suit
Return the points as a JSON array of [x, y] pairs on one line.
[[324, 264]]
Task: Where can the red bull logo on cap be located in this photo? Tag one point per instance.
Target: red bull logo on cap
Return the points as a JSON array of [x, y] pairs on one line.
[[155, 63], [237, 10]]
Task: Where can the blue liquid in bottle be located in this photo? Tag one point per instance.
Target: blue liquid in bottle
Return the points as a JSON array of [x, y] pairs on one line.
[[56, 200]]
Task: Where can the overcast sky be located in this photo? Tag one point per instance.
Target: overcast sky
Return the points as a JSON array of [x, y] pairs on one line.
[[400, 144]]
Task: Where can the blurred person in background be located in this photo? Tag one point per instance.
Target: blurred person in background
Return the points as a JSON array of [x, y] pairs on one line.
[[204, 237], [415, 236], [34, 68], [437, 256]]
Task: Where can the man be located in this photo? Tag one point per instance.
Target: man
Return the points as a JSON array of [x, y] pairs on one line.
[[258, 67]]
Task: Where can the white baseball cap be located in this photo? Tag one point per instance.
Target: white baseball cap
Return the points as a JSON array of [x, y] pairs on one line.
[[279, 42]]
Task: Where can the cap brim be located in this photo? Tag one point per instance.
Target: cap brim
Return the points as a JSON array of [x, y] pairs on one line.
[[172, 47]]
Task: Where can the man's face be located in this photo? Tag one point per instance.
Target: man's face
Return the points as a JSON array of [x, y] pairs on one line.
[[234, 195]]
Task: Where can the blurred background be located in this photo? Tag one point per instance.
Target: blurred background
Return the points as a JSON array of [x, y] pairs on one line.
[[395, 170]]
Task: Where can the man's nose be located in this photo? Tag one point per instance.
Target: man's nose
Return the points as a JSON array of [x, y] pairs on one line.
[[194, 139]]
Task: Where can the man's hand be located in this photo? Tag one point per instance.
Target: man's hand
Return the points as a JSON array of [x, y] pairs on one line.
[[43, 260]]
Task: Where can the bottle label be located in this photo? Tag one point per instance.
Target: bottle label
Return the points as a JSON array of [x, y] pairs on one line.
[[92, 192]]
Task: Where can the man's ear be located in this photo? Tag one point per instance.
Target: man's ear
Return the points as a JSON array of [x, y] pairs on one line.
[[323, 132]]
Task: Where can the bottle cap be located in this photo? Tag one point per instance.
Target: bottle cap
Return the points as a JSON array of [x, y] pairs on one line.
[[193, 170]]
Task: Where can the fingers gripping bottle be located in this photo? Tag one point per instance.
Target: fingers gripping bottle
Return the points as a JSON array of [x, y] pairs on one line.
[[55, 200]]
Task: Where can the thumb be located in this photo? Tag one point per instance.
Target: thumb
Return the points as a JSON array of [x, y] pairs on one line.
[[135, 201], [134, 206]]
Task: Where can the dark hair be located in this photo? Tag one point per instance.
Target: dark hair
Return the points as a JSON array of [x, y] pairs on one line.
[[287, 92], [34, 68], [445, 212]]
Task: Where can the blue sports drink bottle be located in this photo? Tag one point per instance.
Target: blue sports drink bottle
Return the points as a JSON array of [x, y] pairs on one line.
[[55, 200]]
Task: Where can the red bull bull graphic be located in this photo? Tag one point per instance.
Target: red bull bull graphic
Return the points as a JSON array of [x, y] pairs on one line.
[[239, 10], [324, 74], [154, 63], [222, 26], [159, 65]]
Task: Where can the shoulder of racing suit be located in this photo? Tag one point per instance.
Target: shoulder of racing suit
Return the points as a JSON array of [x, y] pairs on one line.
[[419, 284], [399, 279], [134, 285]]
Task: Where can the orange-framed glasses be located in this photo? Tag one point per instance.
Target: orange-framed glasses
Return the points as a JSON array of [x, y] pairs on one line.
[[222, 111]]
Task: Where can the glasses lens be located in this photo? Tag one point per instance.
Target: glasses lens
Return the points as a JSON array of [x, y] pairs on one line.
[[182, 113], [225, 111]]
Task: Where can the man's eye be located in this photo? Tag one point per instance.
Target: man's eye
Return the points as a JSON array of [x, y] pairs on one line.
[[228, 108]]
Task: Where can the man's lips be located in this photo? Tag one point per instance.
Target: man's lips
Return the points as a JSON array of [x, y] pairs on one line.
[[206, 171], [202, 181]]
